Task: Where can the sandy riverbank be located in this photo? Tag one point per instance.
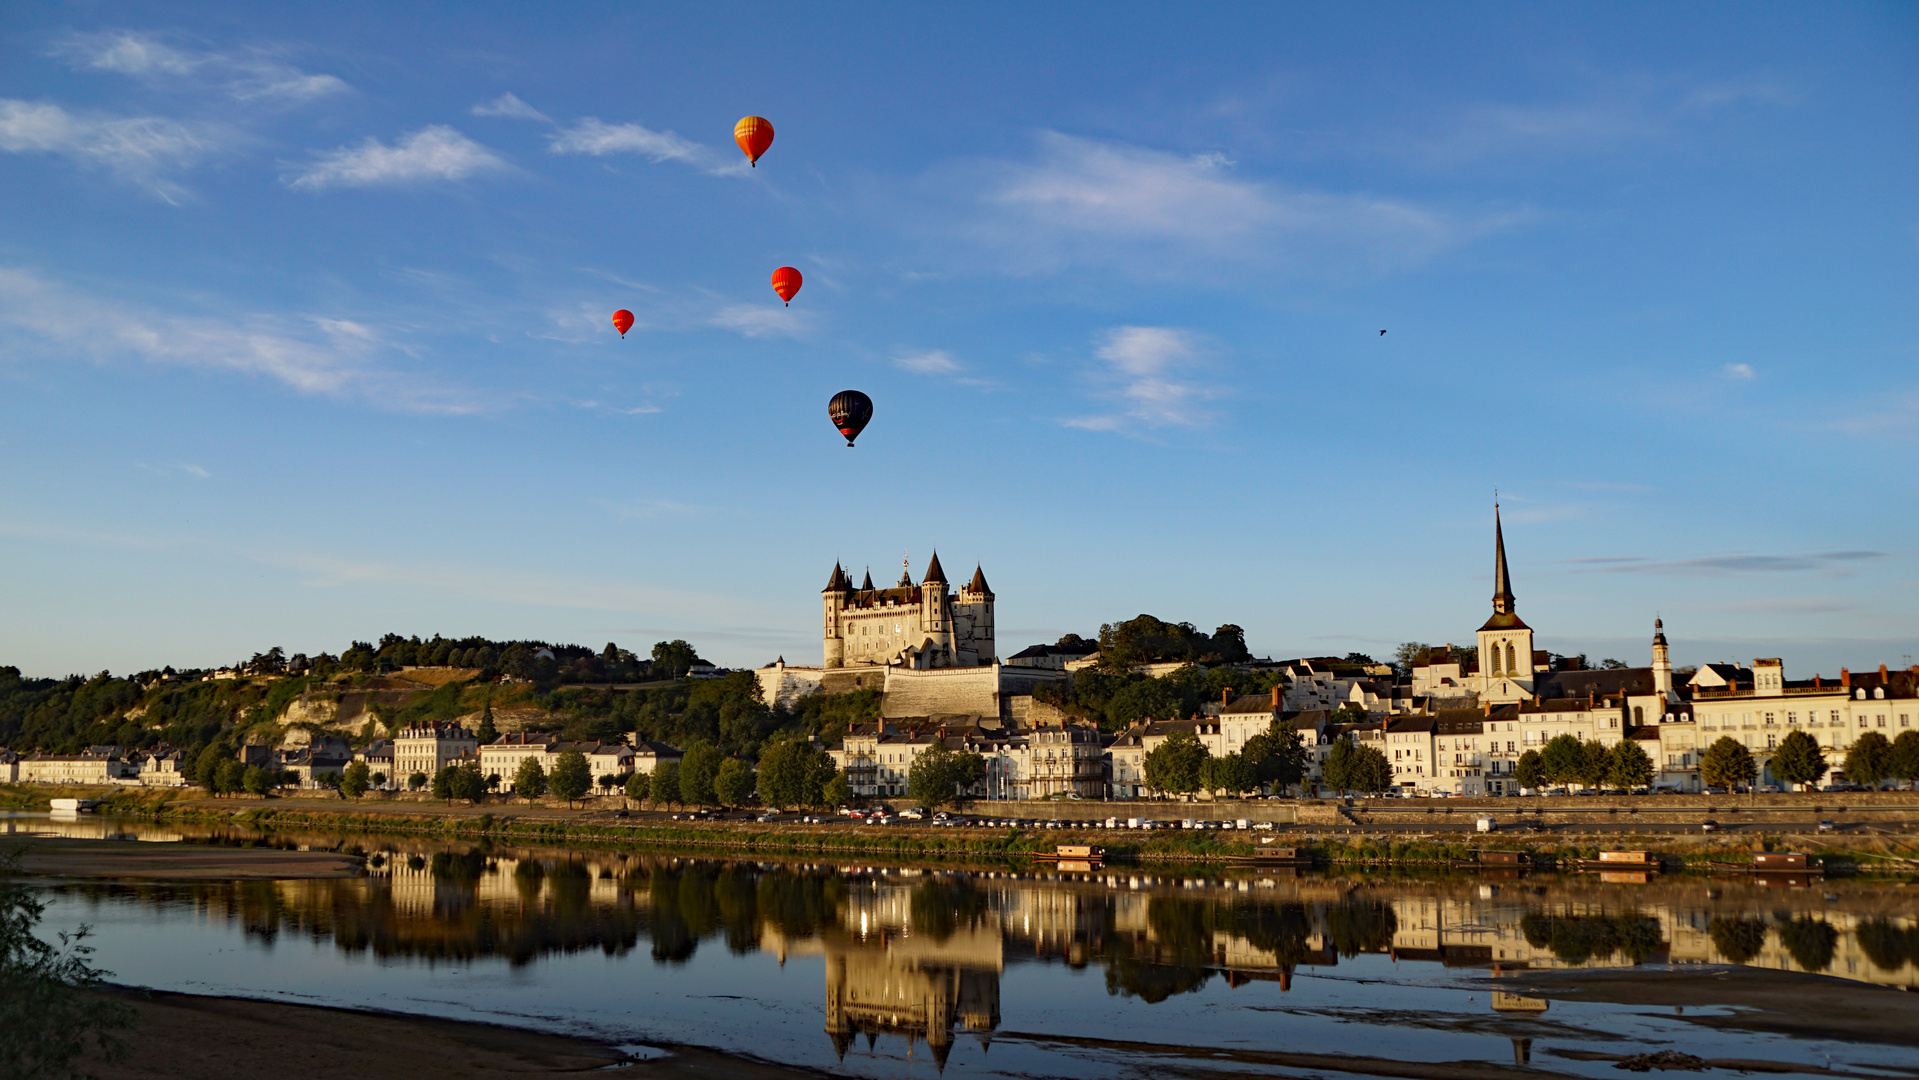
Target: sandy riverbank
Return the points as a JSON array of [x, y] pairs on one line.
[[187, 1037], [1807, 1006]]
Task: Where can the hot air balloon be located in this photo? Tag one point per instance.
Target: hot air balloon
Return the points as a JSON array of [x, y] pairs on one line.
[[786, 282], [850, 411], [754, 134], [622, 321]]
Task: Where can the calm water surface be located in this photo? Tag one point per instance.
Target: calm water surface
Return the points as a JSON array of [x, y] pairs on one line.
[[883, 970]]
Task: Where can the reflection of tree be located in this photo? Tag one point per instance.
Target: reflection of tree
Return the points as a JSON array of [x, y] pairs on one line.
[[800, 904], [1281, 929], [1888, 946], [945, 905], [455, 869], [1176, 960], [1575, 939], [1738, 940], [1810, 941], [1356, 926]]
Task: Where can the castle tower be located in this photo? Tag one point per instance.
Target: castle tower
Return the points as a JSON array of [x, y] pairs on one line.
[[1661, 662], [973, 622], [936, 615], [832, 602], [1505, 642]]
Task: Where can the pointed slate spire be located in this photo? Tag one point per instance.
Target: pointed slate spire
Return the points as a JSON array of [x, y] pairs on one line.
[[1502, 582], [867, 585], [838, 582], [933, 572], [978, 584]]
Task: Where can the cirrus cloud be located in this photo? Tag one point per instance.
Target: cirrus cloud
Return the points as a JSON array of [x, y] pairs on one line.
[[435, 152], [143, 150]]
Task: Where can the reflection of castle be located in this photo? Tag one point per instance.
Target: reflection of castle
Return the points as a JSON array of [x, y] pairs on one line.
[[875, 990]]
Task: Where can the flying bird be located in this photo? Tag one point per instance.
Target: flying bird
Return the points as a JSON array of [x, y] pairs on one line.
[[1382, 333]]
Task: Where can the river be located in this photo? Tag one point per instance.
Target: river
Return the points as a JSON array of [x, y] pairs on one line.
[[890, 970]]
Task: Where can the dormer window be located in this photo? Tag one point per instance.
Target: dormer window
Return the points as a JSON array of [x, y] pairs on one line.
[[1879, 692]]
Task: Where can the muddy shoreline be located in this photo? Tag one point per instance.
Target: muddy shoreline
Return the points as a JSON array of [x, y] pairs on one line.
[[191, 1037]]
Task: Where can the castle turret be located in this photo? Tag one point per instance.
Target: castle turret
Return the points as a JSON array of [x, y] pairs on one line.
[[936, 615], [832, 602], [973, 622]]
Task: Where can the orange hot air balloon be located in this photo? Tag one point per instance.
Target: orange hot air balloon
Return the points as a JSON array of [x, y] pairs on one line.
[[754, 134], [622, 321], [786, 282]]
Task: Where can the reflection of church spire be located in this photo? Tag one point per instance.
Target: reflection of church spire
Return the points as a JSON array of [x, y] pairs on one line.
[[1502, 582], [841, 1040]]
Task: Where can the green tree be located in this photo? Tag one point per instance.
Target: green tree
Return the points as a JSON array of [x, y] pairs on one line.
[[1563, 758], [1903, 764], [789, 771], [529, 780], [50, 1010], [637, 786], [206, 768], [1798, 760], [930, 781], [1174, 765], [1629, 766], [1234, 774], [836, 792], [1595, 761], [443, 782], [697, 770], [1530, 770], [571, 778], [1726, 764], [1278, 755], [233, 776], [733, 783], [355, 780], [488, 732], [1870, 760], [666, 782], [1337, 770], [417, 780], [468, 784], [1371, 772], [256, 781], [673, 659]]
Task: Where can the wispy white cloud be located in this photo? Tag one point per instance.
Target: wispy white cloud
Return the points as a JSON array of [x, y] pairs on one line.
[[755, 321], [1615, 112], [171, 468], [1160, 214], [143, 150], [254, 74], [1896, 418], [595, 137], [1144, 375], [1739, 372], [336, 357], [1828, 561], [510, 107], [930, 362], [436, 152]]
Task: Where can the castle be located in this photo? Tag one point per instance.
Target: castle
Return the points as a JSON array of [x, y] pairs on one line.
[[922, 626]]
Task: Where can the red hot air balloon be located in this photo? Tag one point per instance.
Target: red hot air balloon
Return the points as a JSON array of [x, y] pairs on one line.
[[850, 411], [622, 321], [786, 282], [754, 134]]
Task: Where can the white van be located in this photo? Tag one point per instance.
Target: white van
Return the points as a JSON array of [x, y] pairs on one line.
[[1486, 824]]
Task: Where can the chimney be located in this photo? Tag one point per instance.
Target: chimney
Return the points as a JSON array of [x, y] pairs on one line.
[[1489, 708], [1845, 676], [1535, 699], [1226, 696], [1276, 694], [1816, 683], [1882, 673]]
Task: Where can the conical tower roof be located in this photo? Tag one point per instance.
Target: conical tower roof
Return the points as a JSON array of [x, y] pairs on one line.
[[1502, 581], [978, 584], [933, 572], [867, 585], [838, 582]]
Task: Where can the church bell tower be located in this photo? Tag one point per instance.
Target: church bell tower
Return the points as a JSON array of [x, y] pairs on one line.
[[1505, 642]]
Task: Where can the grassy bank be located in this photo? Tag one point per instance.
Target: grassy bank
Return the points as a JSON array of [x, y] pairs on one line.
[[1677, 852]]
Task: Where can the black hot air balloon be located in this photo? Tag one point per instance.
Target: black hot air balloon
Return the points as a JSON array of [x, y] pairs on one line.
[[850, 411]]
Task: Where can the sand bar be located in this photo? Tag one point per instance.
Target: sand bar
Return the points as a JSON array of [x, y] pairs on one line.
[[129, 860]]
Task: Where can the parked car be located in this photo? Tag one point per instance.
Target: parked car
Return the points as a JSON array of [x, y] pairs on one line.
[[1709, 826], [1263, 826], [913, 815], [1827, 825]]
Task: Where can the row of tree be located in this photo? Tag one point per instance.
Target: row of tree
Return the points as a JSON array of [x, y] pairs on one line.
[[1277, 758]]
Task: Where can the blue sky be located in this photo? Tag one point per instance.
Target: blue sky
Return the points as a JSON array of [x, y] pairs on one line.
[[304, 323]]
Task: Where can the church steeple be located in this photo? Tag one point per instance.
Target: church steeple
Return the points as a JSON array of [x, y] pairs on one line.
[[1502, 582]]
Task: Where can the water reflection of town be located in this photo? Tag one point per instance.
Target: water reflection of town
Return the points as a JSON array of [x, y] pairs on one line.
[[918, 954]]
